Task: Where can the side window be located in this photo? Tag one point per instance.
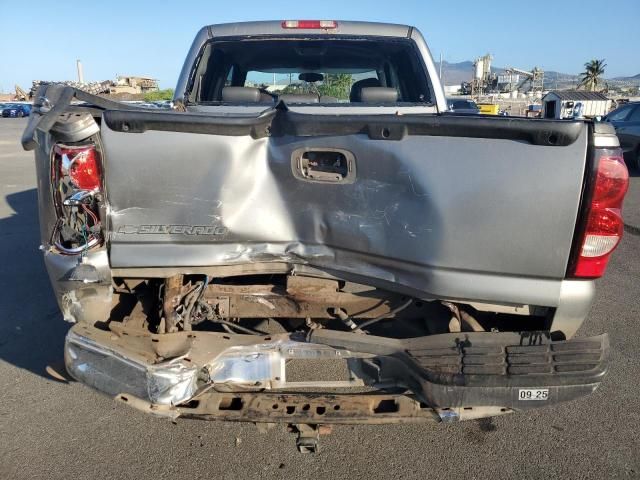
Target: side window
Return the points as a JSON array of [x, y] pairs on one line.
[[635, 115], [229, 78], [392, 80]]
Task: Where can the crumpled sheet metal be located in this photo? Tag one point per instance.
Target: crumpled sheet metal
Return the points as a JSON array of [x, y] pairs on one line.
[[78, 301], [264, 365], [114, 371], [107, 370]]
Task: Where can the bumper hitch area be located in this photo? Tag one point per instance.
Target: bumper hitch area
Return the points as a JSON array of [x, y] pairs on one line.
[[215, 376]]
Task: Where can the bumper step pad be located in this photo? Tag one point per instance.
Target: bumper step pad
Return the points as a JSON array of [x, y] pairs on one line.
[[485, 369]]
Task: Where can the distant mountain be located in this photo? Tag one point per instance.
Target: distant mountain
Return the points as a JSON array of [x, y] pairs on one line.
[[628, 79], [455, 73]]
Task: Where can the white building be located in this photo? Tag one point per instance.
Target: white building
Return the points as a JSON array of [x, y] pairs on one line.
[[572, 103]]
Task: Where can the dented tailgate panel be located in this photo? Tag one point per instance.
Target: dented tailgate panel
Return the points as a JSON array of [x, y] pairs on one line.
[[417, 210]]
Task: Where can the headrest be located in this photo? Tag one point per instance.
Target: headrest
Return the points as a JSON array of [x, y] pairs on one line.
[[241, 94], [379, 95], [357, 87]]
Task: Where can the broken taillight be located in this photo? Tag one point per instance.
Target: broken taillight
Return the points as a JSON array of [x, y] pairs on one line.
[[604, 225], [76, 180], [80, 164]]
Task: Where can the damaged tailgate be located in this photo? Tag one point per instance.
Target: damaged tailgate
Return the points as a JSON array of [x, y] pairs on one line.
[[437, 205]]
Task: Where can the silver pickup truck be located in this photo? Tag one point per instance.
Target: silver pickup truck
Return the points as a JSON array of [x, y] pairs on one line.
[[334, 247]]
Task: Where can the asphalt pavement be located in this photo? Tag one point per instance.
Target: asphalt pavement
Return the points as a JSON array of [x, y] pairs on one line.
[[56, 430]]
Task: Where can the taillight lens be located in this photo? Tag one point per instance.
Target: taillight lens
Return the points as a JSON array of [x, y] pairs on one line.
[[81, 165], [604, 224], [310, 24], [612, 181]]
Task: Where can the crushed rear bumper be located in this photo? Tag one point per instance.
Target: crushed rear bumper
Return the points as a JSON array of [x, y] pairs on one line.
[[248, 378], [486, 369]]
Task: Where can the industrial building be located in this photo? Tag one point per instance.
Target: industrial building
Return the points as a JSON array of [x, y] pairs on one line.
[[574, 103], [513, 81], [133, 85]]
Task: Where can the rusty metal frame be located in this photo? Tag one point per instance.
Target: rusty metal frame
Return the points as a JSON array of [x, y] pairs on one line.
[[303, 408], [310, 409]]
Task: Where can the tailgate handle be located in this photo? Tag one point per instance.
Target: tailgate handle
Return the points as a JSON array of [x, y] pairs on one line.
[[326, 165]]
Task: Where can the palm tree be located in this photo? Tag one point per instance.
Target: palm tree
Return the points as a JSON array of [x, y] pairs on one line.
[[593, 70]]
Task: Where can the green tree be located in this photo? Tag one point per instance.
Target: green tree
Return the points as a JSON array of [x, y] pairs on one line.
[[158, 95], [336, 85], [296, 88], [591, 77]]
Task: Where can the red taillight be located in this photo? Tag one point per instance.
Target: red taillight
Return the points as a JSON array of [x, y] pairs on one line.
[[604, 224], [310, 24], [611, 182], [81, 165]]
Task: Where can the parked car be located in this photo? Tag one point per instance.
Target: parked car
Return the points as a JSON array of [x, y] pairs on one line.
[[239, 249], [17, 110], [166, 104], [462, 105], [626, 120]]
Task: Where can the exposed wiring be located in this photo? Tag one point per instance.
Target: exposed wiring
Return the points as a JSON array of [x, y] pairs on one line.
[[471, 321], [204, 311], [346, 319], [460, 316], [226, 328], [237, 327], [210, 315], [86, 241], [386, 315], [89, 212], [196, 294]]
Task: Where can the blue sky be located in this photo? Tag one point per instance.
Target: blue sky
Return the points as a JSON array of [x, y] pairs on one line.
[[42, 40]]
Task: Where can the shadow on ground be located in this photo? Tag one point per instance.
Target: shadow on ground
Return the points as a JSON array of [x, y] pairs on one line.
[[31, 330]]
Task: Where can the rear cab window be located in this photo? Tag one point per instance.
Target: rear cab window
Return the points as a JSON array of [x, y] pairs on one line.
[[333, 88], [336, 71]]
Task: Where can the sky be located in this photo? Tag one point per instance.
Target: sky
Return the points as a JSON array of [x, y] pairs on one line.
[[151, 38]]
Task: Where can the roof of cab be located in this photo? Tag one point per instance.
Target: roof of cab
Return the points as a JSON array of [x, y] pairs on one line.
[[274, 27]]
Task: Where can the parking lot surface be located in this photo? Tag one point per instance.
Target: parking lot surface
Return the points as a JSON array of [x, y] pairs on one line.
[[56, 430]]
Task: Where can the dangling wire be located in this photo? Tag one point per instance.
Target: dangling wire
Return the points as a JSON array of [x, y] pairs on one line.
[[384, 316], [86, 241]]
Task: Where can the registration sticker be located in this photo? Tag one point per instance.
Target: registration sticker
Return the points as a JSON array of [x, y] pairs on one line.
[[533, 394]]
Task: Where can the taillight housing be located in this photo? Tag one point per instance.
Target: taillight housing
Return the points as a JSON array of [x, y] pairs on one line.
[[603, 226], [76, 183]]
